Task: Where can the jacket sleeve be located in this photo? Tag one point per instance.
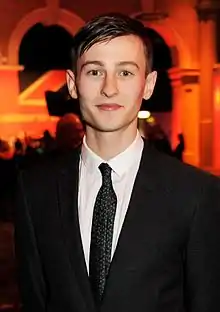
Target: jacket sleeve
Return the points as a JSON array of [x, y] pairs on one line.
[[30, 275], [202, 267]]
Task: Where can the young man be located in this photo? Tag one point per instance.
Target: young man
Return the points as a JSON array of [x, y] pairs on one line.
[[116, 226]]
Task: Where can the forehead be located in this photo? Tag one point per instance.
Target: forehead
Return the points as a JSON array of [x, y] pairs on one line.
[[124, 48]]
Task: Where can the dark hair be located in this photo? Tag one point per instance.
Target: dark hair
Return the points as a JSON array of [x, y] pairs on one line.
[[107, 27]]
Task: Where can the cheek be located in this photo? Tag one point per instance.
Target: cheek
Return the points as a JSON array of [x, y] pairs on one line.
[[134, 88], [88, 88], [134, 93]]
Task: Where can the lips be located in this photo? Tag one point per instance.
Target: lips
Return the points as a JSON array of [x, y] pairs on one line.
[[109, 107]]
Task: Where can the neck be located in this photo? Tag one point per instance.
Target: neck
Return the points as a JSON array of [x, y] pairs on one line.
[[109, 144]]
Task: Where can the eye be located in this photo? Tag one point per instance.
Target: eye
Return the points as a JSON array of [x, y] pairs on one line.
[[94, 72], [125, 73]]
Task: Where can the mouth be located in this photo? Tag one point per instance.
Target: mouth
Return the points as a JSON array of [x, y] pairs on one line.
[[109, 107]]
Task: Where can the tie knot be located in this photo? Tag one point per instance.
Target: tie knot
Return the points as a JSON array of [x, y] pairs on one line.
[[105, 170]]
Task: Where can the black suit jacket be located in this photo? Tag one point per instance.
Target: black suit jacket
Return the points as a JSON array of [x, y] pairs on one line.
[[168, 254]]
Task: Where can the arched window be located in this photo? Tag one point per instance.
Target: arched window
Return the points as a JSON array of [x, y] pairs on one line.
[[161, 100], [43, 48]]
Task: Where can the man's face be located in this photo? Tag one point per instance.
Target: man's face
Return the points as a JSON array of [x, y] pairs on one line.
[[111, 82]]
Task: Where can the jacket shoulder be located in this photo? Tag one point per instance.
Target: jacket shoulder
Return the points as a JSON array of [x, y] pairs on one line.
[[47, 167], [172, 173]]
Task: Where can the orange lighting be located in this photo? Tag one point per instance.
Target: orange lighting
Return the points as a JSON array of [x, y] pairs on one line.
[[26, 112], [52, 80], [217, 98], [216, 118]]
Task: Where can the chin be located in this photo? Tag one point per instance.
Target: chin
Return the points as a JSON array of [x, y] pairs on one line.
[[106, 128], [109, 126]]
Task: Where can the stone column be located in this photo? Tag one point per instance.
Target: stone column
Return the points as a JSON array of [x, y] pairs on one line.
[[216, 120], [9, 91], [9, 88], [207, 50], [185, 117], [176, 83]]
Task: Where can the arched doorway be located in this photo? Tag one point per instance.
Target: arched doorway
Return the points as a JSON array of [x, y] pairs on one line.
[[43, 48], [66, 19], [161, 100], [46, 48]]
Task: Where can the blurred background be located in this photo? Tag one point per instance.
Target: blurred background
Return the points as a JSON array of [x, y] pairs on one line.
[[37, 116]]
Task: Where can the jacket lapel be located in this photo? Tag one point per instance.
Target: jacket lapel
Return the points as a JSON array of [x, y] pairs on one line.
[[68, 201], [144, 193]]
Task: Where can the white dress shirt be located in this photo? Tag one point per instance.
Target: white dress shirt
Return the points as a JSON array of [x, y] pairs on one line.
[[124, 170]]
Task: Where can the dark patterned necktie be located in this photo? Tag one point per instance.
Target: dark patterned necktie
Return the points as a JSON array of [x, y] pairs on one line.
[[102, 234]]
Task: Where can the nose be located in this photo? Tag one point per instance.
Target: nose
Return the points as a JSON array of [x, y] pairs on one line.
[[109, 87]]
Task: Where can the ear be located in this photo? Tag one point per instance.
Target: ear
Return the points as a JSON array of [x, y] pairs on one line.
[[150, 84], [71, 83]]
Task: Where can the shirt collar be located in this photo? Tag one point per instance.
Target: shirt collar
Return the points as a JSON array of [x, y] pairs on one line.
[[120, 163]]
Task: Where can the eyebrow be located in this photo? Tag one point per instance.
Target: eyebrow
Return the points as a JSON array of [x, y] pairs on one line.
[[99, 63]]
